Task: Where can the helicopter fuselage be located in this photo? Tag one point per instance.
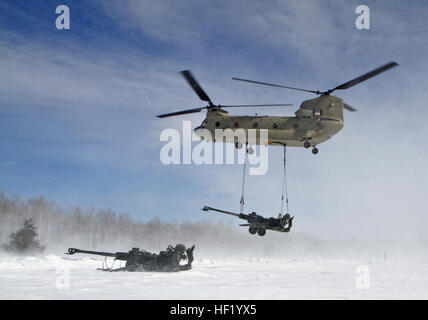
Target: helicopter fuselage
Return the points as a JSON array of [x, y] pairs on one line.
[[316, 121]]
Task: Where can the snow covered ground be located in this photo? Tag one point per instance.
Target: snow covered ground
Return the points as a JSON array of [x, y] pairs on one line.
[[214, 278]]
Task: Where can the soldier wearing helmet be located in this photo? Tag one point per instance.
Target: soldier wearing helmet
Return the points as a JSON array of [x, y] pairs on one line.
[[169, 250]]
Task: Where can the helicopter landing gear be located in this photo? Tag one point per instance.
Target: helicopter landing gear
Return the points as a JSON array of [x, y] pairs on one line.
[[307, 144], [252, 230], [314, 150], [261, 232]]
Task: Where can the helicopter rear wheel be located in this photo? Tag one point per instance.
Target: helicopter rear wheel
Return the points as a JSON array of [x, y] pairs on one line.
[[250, 151], [252, 230], [261, 232], [314, 150], [307, 144]]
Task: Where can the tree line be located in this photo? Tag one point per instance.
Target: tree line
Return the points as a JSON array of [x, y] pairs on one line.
[[60, 227]]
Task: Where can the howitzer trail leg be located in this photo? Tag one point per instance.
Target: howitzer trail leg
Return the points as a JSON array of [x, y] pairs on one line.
[[105, 265], [118, 269]]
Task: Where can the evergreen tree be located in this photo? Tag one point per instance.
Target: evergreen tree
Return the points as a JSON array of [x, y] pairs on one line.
[[24, 240]]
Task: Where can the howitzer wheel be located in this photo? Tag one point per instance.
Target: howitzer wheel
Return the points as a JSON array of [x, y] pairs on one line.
[[252, 230], [261, 232]]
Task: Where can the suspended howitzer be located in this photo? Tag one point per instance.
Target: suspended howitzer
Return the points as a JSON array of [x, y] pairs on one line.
[[141, 260], [259, 224]]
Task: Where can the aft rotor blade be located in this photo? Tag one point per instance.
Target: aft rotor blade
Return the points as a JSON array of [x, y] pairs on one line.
[[180, 112], [365, 76], [348, 107], [256, 105], [275, 85], [187, 74]]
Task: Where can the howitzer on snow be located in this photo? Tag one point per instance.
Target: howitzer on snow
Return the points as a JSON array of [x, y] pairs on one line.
[[259, 224], [141, 260]]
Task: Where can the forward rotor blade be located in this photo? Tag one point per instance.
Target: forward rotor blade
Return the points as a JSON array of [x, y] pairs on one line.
[[256, 105], [365, 76], [275, 85], [348, 107], [180, 112], [187, 74]]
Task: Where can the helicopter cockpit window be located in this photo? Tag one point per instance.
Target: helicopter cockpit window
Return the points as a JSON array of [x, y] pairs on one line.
[[317, 113]]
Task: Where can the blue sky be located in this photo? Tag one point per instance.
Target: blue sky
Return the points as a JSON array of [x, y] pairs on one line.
[[77, 107]]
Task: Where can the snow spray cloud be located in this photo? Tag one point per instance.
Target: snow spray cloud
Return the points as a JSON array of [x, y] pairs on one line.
[[178, 149]]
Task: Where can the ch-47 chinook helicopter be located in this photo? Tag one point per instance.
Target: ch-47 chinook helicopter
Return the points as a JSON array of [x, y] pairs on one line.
[[316, 121]]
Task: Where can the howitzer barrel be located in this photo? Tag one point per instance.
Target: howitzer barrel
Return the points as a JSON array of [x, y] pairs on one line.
[[99, 253], [239, 215]]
